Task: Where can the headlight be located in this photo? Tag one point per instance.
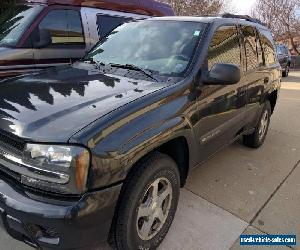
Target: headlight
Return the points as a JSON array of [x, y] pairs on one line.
[[56, 168]]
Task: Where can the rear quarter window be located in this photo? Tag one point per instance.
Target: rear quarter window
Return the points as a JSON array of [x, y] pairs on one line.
[[268, 46], [106, 23]]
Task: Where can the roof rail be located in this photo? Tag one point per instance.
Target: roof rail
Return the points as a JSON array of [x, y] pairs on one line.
[[245, 17]]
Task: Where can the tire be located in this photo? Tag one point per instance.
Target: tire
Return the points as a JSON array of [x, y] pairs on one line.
[[138, 206], [257, 138]]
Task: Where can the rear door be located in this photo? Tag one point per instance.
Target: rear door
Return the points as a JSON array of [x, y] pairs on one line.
[[261, 65], [67, 42]]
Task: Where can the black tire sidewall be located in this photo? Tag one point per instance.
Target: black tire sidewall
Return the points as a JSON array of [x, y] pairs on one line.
[[156, 167]]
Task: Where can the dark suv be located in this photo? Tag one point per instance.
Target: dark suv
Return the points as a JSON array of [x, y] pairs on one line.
[[284, 58], [97, 151]]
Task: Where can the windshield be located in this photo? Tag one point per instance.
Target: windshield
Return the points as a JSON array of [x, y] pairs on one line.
[[15, 21], [163, 47]]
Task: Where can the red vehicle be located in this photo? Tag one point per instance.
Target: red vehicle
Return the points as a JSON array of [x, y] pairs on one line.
[[38, 34]]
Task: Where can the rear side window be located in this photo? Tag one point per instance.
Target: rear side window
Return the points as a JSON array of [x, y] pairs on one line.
[[268, 46], [224, 47], [250, 44], [64, 26], [107, 23]]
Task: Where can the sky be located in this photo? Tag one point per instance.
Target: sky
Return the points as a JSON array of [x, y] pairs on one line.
[[242, 7]]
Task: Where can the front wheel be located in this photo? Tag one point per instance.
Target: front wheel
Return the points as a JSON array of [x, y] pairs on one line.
[[258, 137], [147, 204]]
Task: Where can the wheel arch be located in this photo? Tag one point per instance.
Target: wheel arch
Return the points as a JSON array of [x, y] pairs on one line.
[[177, 145]]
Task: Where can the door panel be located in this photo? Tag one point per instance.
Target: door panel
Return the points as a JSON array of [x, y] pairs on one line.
[[15, 61]]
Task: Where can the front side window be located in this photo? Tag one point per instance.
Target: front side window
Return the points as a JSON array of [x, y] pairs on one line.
[[63, 27], [15, 21], [250, 44], [106, 24], [166, 47], [224, 47]]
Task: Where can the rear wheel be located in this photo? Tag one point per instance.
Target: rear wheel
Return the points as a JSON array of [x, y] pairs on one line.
[[147, 204], [285, 73], [258, 137]]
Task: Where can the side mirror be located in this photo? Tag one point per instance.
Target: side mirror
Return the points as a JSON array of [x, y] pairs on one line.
[[44, 39], [223, 74]]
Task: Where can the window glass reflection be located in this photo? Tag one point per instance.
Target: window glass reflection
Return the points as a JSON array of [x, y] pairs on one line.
[[165, 47], [224, 47]]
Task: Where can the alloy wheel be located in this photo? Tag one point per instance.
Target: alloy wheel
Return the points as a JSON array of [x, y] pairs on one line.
[[154, 209], [263, 125]]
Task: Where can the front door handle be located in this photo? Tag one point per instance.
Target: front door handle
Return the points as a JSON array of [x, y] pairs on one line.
[[243, 91], [266, 80]]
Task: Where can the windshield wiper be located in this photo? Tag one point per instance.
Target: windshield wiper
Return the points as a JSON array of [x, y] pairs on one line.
[[92, 61], [134, 67]]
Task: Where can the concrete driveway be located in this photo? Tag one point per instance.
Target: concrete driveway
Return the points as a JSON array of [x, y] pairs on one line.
[[240, 190]]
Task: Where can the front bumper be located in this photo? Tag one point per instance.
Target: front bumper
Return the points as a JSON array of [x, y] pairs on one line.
[[56, 223]]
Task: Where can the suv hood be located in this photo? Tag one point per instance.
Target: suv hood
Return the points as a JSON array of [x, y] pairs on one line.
[[55, 104]]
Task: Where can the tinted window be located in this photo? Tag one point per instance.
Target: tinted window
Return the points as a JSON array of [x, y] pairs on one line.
[[268, 47], [74, 27], [64, 27], [250, 47], [224, 47], [164, 47], [108, 23]]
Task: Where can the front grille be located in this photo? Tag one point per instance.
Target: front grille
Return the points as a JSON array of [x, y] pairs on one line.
[[5, 171], [11, 142]]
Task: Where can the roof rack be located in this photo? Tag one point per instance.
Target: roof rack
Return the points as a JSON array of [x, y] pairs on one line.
[[245, 17]]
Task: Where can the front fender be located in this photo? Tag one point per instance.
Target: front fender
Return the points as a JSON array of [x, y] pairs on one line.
[[111, 167]]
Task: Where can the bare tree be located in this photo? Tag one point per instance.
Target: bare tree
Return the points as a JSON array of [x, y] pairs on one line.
[[5, 4], [281, 17], [198, 7]]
